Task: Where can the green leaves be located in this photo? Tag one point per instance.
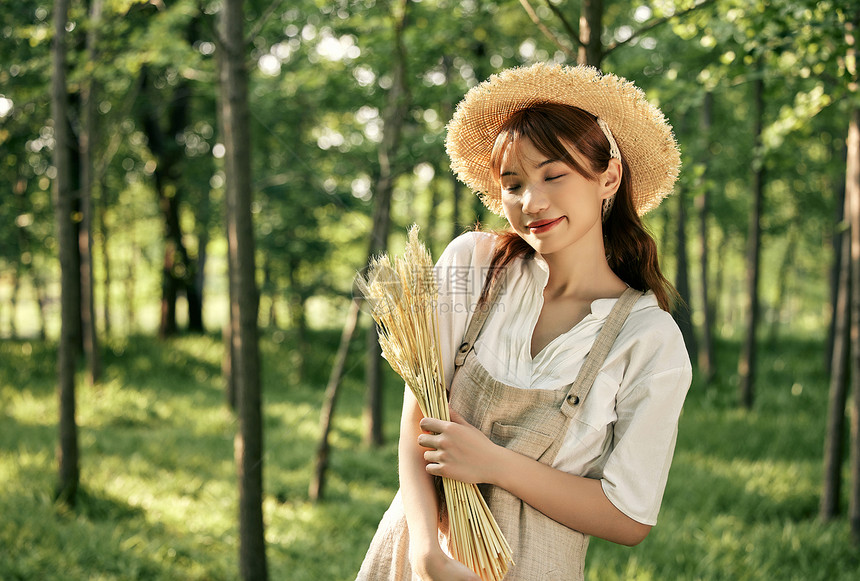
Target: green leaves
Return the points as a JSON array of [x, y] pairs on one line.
[[320, 72]]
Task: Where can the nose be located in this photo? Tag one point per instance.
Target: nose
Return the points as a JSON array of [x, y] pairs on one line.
[[534, 200]]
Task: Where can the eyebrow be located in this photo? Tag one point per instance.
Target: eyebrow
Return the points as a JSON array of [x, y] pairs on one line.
[[538, 166]]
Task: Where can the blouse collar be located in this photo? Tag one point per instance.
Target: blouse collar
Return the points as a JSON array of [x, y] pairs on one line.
[[600, 308]]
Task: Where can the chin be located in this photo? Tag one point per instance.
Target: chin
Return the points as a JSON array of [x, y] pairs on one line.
[[541, 247]]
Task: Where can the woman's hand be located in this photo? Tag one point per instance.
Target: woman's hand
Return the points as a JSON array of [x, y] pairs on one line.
[[440, 567], [458, 450]]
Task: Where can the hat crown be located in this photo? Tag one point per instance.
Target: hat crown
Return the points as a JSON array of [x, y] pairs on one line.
[[640, 129]]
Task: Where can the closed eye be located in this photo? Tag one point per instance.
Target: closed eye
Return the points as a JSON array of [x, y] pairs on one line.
[[551, 178]]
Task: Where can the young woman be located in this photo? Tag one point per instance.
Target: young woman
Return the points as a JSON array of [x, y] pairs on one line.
[[566, 372]]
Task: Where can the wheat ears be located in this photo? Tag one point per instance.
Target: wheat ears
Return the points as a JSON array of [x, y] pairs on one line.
[[402, 295]]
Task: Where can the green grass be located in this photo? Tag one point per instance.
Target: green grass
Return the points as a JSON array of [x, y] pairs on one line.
[[158, 497], [742, 497], [158, 481]]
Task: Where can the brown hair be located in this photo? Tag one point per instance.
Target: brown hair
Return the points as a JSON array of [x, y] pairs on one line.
[[630, 250]]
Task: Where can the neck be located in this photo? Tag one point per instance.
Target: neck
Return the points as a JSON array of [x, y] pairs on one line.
[[582, 273]]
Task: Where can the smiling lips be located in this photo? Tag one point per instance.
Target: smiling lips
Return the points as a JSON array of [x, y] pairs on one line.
[[540, 226]]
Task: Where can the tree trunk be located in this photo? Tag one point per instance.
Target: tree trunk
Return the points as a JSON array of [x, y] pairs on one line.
[[373, 435], [227, 364], [40, 301], [590, 29], [75, 204], [178, 270], [718, 309], [298, 319], [86, 141], [782, 286], [130, 285], [316, 490], [456, 186], [834, 438], [746, 365], [167, 326], [667, 240], [269, 291], [852, 192], [432, 212], [244, 297], [19, 191], [70, 298], [395, 113], [683, 313], [204, 212], [840, 231], [13, 301], [456, 194], [706, 349], [104, 237]]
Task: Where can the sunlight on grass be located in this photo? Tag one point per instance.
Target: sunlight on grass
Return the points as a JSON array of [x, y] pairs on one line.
[[21, 465], [782, 481], [765, 488], [29, 408], [302, 418], [158, 494]]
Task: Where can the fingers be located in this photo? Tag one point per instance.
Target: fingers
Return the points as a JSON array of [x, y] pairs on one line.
[[457, 418], [435, 430], [436, 426], [433, 459], [428, 441], [432, 425], [434, 470]]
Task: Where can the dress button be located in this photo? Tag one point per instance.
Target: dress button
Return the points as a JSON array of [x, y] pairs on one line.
[[464, 348], [573, 399]]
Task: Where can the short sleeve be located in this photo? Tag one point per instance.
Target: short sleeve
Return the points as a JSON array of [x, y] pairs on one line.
[[459, 274], [644, 436]]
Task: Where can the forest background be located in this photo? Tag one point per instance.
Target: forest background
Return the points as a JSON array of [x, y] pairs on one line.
[[348, 104]]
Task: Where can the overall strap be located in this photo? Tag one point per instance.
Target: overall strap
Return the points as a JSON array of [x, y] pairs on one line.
[[595, 358], [477, 322]]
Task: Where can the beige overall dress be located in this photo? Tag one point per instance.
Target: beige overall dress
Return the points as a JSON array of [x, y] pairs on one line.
[[532, 422]]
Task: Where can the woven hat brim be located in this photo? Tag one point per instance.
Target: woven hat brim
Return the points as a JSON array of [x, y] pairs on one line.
[[641, 130]]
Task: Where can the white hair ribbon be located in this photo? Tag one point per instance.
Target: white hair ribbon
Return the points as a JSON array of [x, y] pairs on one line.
[[613, 152], [613, 147]]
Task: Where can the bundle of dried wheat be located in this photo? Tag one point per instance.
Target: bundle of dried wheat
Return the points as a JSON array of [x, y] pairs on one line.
[[402, 295]]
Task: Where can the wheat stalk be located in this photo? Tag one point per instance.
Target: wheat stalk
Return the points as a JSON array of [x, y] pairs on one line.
[[402, 295]]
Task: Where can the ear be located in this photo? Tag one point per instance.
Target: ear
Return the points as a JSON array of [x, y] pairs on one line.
[[610, 180]]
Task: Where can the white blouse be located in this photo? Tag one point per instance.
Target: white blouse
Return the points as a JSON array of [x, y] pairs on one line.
[[625, 433]]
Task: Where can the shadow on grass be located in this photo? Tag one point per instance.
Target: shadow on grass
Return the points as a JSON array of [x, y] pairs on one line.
[[742, 497], [788, 417], [45, 541], [158, 489], [28, 365], [169, 364], [98, 506], [759, 491]]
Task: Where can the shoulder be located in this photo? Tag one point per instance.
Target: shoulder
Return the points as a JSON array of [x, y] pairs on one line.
[[469, 249], [653, 338]]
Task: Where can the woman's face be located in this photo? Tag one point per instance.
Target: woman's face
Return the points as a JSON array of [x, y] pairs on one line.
[[550, 205]]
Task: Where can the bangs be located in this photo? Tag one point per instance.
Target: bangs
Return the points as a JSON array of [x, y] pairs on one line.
[[543, 125]]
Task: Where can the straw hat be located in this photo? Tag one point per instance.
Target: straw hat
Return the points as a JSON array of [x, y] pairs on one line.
[[643, 135]]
